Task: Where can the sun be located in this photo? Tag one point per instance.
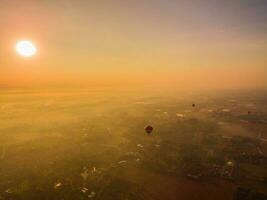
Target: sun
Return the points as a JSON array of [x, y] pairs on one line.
[[26, 48]]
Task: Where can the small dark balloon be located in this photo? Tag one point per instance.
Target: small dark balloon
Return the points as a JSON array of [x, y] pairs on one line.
[[193, 105], [148, 129], [249, 112]]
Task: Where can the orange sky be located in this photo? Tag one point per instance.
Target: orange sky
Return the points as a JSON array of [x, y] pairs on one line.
[[169, 44]]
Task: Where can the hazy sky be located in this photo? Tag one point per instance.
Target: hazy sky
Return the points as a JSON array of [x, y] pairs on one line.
[[171, 43]]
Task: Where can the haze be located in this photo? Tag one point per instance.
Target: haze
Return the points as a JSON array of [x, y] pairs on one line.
[[133, 99], [158, 44]]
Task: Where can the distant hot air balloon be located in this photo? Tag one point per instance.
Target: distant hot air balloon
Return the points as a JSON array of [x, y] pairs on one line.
[[249, 112], [193, 105], [148, 129]]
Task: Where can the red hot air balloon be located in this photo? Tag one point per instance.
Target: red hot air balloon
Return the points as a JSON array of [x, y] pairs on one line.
[[148, 129]]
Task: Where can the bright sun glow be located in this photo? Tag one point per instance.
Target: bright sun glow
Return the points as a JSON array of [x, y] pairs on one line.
[[26, 48]]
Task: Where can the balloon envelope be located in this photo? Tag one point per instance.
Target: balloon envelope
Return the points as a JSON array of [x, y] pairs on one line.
[[148, 129]]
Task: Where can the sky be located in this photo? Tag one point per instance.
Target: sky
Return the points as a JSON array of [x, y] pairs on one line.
[[207, 44]]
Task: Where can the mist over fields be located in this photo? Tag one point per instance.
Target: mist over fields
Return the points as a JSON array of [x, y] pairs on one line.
[[82, 144]]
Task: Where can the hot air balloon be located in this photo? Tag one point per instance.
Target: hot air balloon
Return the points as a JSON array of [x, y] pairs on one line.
[[193, 105], [148, 129]]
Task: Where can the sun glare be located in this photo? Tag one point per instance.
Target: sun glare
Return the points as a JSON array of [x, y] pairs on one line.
[[26, 48]]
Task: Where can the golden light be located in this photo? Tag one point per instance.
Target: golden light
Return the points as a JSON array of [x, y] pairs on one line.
[[26, 48]]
